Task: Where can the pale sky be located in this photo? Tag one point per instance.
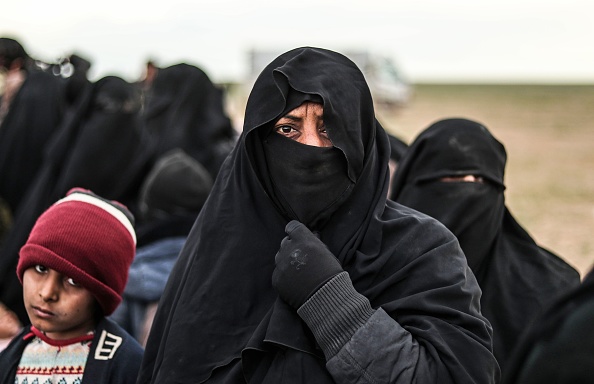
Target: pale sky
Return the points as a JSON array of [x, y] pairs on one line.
[[430, 40]]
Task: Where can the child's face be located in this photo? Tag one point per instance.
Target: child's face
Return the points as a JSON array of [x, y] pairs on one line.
[[56, 304]]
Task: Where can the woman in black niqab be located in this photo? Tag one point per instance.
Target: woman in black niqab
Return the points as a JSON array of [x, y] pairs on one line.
[[221, 319], [34, 115], [518, 277], [184, 109]]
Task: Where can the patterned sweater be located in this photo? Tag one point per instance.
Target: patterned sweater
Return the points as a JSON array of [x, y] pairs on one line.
[[47, 361], [112, 356]]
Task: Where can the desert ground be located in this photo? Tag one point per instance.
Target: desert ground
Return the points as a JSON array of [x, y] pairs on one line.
[[548, 132]]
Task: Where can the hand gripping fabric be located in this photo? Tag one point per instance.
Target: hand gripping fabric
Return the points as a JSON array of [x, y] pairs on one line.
[[303, 265]]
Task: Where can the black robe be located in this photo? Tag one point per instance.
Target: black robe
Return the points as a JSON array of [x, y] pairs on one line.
[[184, 109], [100, 147], [559, 346], [220, 319], [518, 277], [33, 117]]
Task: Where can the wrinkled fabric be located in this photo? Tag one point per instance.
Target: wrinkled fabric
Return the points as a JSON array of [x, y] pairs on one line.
[[518, 277], [151, 267], [34, 116], [319, 172], [146, 281], [184, 109], [558, 346], [220, 319]]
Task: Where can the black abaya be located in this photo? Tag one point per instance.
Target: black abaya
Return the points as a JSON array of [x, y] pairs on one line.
[[558, 347], [33, 117], [220, 319], [518, 278]]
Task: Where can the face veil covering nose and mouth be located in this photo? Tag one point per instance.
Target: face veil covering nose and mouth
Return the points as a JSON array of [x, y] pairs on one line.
[[308, 182]]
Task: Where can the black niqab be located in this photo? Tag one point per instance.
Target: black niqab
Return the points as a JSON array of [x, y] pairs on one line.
[[517, 276], [308, 182], [221, 320]]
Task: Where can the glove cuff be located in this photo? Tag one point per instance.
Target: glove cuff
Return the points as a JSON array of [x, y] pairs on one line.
[[335, 312]]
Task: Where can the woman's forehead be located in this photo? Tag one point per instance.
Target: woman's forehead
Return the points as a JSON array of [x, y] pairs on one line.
[[308, 107]]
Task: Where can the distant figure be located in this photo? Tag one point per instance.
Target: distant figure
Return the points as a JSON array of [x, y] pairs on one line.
[[78, 80], [170, 199], [453, 171], [184, 109], [31, 109], [559, 347], [73, 268], [299, 270]]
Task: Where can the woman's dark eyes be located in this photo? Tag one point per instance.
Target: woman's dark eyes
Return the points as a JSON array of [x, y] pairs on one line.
[[284, 129], [40, 268]]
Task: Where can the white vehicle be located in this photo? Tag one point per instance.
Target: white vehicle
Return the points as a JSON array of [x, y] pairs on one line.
[[385, 81]]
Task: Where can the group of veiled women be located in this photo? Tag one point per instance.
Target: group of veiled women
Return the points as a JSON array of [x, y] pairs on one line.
[[310, 262], [106, 136]]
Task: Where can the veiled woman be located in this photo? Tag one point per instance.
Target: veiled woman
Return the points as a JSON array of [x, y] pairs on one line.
[[298, 270], [185, 109], [453, 171]]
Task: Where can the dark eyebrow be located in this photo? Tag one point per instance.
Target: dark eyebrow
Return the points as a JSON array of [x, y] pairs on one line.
[[291, 117], [297, 118]]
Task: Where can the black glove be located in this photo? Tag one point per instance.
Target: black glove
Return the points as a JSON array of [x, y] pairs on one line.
[[303, 265]]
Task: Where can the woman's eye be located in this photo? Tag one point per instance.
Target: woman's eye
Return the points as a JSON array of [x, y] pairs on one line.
[[40, 268], [70, 281], [284, 129]]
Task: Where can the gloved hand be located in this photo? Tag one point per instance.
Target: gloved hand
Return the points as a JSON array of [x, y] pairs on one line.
[[303, 265]]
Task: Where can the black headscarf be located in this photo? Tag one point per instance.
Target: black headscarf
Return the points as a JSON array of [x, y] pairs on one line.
[[516, 275], [220, 317], [100, 147], [184, 109]]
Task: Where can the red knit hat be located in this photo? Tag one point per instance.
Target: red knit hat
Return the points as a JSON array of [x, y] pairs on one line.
[[88, 239]]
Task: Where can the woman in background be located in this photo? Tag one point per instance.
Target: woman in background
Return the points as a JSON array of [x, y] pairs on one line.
[[453, 171]]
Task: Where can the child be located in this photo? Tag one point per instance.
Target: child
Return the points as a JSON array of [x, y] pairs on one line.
[[74, 268]]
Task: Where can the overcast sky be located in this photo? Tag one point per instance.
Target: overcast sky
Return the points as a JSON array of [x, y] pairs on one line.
[[430, 40]]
